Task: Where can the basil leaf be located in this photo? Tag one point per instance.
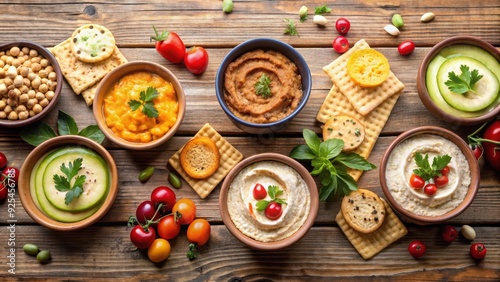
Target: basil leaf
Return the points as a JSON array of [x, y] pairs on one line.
[[302, 152], [37, 133], [66, 125], [262, 205], [312, 140], [355, 161], [326, 191], [93, 132], [331, 148]]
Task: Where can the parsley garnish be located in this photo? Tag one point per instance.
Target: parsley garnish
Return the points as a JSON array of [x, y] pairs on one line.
[[274, 192], [330, 164], [463, 83], [262, 86], [63, 183], [146, 101], [428, 171], [321, 10], [290, 28]]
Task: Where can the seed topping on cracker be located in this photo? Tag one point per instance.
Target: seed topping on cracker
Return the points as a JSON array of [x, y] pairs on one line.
[[363, 210], [347, 128]]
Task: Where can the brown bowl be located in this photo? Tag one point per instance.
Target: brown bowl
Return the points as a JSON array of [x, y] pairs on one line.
[[112, 78], [24, 189], [451, 115], [271, 245], [59, 78], [469, 158]]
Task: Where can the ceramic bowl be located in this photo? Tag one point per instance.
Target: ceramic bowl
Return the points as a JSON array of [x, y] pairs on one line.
[[273, 245], [265, 44], [25, 188], [59, 79], [448, 113], [469, 159], [112, 78]]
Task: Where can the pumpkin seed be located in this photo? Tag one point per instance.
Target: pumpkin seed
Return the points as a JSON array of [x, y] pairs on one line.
[[392, 30], [427, 17]]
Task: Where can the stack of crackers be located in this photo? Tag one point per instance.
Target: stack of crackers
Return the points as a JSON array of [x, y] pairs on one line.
[[86, 57], [369, 105]]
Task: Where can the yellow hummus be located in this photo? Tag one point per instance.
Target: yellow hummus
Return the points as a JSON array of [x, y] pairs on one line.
[[241, 96]]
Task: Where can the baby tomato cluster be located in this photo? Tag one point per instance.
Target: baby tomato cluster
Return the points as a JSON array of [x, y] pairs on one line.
[[430, 188], [9, 177], [160, 219]]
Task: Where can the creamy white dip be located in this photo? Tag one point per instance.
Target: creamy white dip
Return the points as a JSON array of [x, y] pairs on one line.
[[242, 205], [401, 164]]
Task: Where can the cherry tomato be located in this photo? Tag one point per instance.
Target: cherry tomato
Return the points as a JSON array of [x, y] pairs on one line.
[[198, 231], [340, 44], [146, 211], [430, 189], [3, 161], [10, 177], [3, 191], [445, 171], [187, 210], [259, 192], [449, 233], [417, 249], [478, 250], [142, 238], [273, 211], [342, 25], [416, 181], [167, 228], [169, 45], [159, 250], [164, 195], [196, 59], [491, 150], [441, 180], [406, 47]]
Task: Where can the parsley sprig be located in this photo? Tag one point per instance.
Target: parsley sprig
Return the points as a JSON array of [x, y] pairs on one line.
[[63, 183], [321, 10], [262, 86], [464, 82], [290, 28], [146, 101], [330, 164], [428, 171], [274, 192]]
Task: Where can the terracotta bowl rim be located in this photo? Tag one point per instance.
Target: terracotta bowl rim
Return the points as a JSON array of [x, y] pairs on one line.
[[473, 166], [268, 246], [40, 150]]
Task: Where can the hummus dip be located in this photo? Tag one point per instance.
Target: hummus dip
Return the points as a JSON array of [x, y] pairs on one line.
[[285, 87], [242, 205], [401, 164]]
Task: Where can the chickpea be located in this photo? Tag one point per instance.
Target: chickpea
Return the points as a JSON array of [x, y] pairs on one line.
[[44, 103], [31, 103], [36, 67], [7, 109], [14, 93], [16, 63], [8, 81], [32, 113], [3, 57], [2, 64], [3, 104], [23, 89], [12, 102], [11, 72], [31, 76], [27, 63], [49, 69], [12, 115], [24, 71], [9, 60], [43, 73], [52, 76], [20, 108], [25, 50], [24, 98], [43, 88], [3, 88], [36, 60], [39, 96], [23, 115], [18, 81], [27, 82], [21, 60], [35, 83], [44, 62], [31, 93], [50, 95], [3, 115], [37, 108], [33, 53]]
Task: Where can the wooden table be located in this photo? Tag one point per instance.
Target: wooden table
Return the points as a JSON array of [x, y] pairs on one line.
[[103, 251]]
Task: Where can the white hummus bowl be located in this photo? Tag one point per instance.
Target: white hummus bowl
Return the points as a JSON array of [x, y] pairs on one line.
[[272, 245], [471, 189]]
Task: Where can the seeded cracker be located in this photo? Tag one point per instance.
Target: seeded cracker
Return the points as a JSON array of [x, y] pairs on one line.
[[363, 210]]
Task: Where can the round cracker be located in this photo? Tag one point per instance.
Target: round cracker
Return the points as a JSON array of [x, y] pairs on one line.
[[347, 128], [200, 157], [363, 210], [368, 68], [92, 43]]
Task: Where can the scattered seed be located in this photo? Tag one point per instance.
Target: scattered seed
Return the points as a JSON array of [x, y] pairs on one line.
[[468, 232], [174, 180], [31, 249], [392, 30], [397, 20], [227, 6], [146, 174], [43, 256], [427, 17], [320, 20]]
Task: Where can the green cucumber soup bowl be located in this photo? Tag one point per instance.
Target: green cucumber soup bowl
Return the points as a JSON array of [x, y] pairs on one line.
[[43, 179], [459, 81]]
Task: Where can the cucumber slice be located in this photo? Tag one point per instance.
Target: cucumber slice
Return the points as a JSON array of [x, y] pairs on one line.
[[474, 52], [486, 89]]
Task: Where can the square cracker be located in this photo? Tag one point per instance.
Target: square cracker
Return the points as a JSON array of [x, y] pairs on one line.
[[371, 244], [363, 99], [337, 104], [229, 157], [80, 75]]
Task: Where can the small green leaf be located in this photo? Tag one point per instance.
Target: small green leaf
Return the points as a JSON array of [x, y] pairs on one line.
[[331, 148], [312, 140], [464, 82], [72, 194], [302, 152], [262, 205], [92, 132], [290, 28], [321, 10], [262, 86], [37, 133], [355, 161], [66, 124], [146, 101], [149, 110], [134, 104], [63, 183]]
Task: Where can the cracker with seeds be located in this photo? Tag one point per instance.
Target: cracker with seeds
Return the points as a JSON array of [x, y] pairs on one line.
[[347, 128], [229, 157], [363, 210], [92, 43]]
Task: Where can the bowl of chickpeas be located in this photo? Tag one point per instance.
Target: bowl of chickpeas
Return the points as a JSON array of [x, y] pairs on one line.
[[139, 105], [30, 83]]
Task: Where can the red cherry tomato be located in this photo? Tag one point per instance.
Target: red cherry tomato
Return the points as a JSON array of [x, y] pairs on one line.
[[340, 44], [3, 161], [142, 238], [259, 192], [449, 233], [164, 195], [3, 191], [273, 211], [491, 150], [416, 181], [186, 209], [445, 171], [478, 250], [10, 177], [199, 231], [168, 228], [441, 181], [430, 189], [342, 25], [406, 47], [196, 60], [169, 45], [417, 248], [146, 211]]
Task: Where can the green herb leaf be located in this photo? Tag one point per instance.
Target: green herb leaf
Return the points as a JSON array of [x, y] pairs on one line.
[[464, 82], [63, 183], [321, 10], [290, 28], [262, 205], [428, 171], [92, 132], [72, 194], [66, 124], [37, 133], [146, 101], [262, 86], [302, 152], [274, 192], [355, 161]]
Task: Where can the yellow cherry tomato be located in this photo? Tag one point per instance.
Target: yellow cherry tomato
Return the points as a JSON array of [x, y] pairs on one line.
[[159, 250]]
